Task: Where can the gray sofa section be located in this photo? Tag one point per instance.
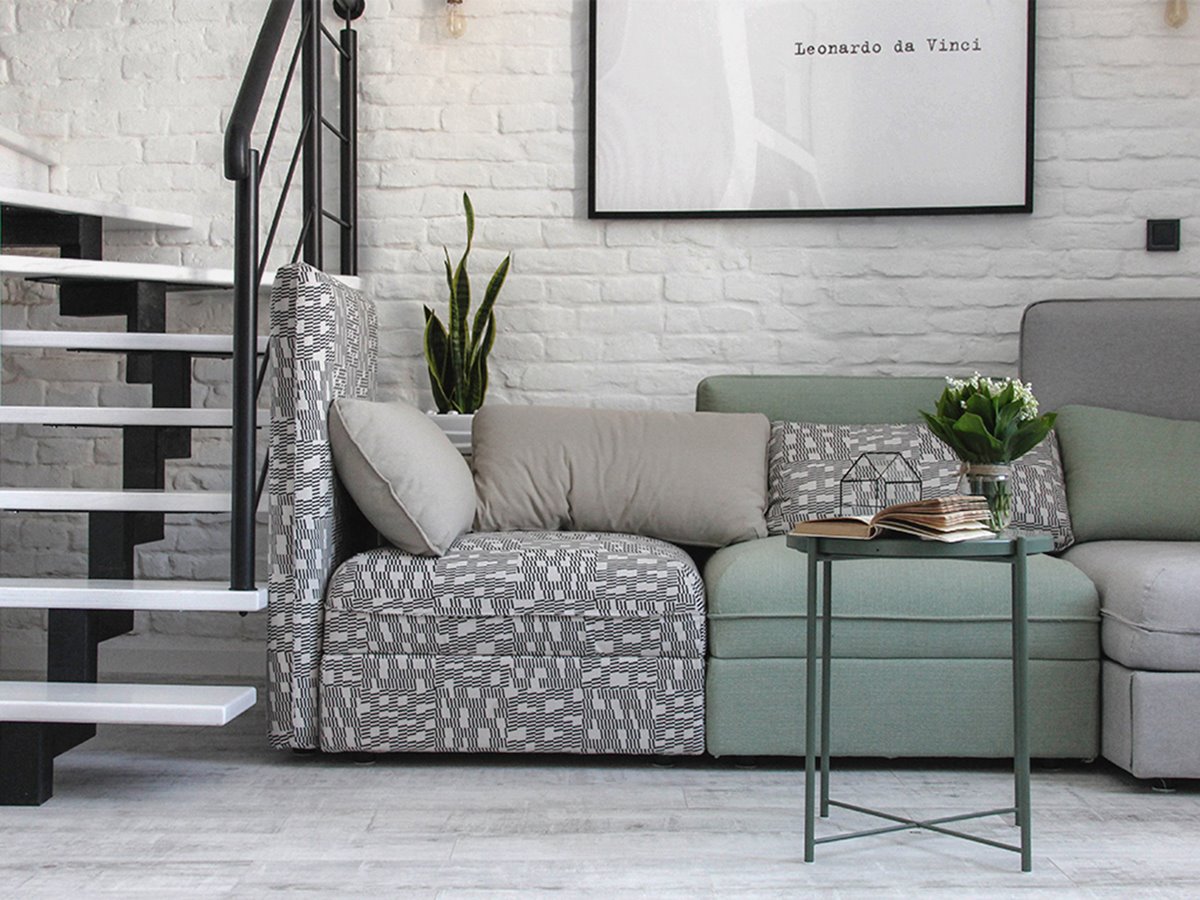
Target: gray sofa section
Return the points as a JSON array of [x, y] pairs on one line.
[[1136, 355], [1139, 356], [1151, 596]]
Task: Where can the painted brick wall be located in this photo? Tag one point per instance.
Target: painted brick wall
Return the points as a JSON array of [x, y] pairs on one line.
[[134, 94]]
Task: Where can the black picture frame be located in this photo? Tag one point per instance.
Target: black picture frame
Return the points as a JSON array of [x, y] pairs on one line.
[[1023, 204]]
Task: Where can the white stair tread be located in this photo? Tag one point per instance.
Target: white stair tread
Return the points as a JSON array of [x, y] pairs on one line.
[[86, 500], [55, 268], [117, 216], [123, 704], [144, 594], [218, 344], [28, 147], [120, 415]]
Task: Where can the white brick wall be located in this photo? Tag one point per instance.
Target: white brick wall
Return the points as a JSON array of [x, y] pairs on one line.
[[135, 93]]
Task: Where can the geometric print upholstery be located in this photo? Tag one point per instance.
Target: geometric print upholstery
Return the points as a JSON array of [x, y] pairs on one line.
[[538, 642], [398, 703], [807, 460], [565, 642], [552, 573], [323, 347]]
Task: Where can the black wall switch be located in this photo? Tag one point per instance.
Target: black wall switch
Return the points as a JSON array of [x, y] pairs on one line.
[[1162, 234]]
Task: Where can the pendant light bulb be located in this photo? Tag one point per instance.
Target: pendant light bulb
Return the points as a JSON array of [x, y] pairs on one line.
[[456, 19], [1177, 13]]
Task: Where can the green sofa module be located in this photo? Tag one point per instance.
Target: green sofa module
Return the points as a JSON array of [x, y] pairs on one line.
[[921, 648]]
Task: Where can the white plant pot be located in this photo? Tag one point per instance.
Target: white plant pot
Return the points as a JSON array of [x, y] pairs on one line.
[[457, 427]]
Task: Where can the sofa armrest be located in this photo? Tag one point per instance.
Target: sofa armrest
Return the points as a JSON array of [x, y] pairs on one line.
[[323, 346]]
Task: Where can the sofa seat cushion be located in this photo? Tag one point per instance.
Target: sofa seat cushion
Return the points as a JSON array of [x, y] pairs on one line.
[[520, 594], [895, 609], [1149, 601]]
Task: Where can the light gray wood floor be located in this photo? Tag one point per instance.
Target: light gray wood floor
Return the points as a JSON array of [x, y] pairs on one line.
[[178, 812]]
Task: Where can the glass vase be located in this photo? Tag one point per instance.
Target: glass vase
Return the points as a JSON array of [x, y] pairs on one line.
[[994, 483]]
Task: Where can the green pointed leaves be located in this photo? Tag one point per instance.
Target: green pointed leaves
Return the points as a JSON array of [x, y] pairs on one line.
[[986, 421], [1030, 434], [470, 212], [437, 358], [456, 354]]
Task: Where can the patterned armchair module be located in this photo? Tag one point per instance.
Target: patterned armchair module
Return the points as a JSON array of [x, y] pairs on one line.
[[569, 642]]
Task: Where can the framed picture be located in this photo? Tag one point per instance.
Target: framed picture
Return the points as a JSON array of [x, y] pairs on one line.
[[723, 108]]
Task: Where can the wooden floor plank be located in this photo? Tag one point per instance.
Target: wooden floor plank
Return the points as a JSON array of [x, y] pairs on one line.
[[177, 813]]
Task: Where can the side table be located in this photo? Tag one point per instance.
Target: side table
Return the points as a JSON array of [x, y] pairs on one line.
[[1013, 550]]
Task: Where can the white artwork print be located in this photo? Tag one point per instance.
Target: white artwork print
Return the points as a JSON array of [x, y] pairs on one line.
[[817, 107]]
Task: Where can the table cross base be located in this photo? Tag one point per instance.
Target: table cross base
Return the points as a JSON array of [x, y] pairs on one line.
[[925, 824]]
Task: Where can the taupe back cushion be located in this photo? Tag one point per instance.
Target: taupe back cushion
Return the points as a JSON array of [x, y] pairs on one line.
[[687, 478]]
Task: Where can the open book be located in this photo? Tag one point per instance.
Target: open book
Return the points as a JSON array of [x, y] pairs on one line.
[[946, 519]]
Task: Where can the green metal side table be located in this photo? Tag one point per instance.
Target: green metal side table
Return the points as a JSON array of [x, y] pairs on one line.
[[1013, 550]]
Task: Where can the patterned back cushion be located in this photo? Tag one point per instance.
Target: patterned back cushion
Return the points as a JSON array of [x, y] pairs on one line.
[[807, 461], [324, 344]]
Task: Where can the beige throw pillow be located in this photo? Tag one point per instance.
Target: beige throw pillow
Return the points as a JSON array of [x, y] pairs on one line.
[[687, 478], [403, 473]]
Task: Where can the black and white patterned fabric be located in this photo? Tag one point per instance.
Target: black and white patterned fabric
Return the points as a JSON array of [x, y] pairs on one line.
[[543, 642], [568, 642], [521, 594], [323, 347], [806, 462], [470, 704]]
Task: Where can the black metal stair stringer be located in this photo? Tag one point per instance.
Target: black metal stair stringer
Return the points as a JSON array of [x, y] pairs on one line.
[[76, 236], [27, 750]]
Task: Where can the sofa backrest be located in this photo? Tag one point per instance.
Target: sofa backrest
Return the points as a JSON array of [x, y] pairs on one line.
[[323, 347], [831, 399], [693, 479], [1134, 355]]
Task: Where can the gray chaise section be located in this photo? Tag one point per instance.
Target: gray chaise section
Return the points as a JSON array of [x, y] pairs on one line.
[[1140, 356]]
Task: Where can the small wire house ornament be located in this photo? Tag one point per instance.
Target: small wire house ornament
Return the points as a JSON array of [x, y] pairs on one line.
[[877, 479]]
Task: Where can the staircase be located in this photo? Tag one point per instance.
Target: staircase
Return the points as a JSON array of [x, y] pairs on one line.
[[41, 720]]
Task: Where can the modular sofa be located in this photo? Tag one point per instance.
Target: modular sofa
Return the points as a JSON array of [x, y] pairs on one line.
[[535, 634]]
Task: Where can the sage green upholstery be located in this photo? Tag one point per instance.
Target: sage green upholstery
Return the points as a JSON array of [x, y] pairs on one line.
[[898, 609], [922, 648], [1130, 476], [903, 707]]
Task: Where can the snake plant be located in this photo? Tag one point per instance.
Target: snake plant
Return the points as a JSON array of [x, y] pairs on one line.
[[457, 353]]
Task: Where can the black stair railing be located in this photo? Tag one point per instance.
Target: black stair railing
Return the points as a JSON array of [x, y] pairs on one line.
[[244, 165]]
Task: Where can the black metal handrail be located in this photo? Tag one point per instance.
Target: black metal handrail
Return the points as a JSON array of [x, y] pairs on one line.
[[243, 166], [239, 133]]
